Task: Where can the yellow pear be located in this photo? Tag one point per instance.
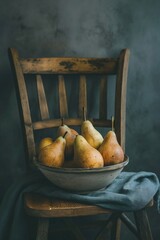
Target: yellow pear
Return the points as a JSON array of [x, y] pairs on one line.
[[85, 156], [53, 154], [70, 137], [93, 137], [45, 142], [110, 149]]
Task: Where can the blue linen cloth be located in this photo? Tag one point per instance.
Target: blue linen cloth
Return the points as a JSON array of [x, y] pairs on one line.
[[130, 191]]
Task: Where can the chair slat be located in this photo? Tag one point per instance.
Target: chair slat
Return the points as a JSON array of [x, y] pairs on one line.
[[42, 98], [23, 104], [62, 97], [70, 122], [103, 98], [66, 65], [82, 96], [120, 102]]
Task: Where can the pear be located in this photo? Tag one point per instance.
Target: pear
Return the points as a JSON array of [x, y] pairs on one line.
[[70, 137], [86, 156], [44, 142], [110, 149], [93, 137], [53, 154]]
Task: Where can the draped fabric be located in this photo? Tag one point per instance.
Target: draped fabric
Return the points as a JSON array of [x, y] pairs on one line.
[[130, 191]]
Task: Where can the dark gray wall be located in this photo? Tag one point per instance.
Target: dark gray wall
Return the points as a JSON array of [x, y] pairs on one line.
[[86, 28]]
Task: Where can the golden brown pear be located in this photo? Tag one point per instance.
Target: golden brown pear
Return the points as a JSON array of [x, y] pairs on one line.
[[85, 156], [110, 149], [45, 142], [53, 154], [70, 137], [93, 137]]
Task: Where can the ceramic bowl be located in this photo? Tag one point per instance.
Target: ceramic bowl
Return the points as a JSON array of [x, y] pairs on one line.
[[82, 179]]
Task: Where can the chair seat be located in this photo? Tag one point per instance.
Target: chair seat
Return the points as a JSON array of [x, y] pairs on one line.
[[40, 206]]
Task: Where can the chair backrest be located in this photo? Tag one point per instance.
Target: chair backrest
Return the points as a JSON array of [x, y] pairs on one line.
[[69, 77]]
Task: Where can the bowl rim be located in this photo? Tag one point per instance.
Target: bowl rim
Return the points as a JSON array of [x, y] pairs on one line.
[[80, 170]]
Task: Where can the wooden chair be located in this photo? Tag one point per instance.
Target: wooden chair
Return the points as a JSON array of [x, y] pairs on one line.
[[66, 74]]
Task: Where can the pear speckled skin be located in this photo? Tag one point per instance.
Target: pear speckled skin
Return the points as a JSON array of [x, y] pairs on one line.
[[110, 149], [93, 137], [85, 156], [53, 154]]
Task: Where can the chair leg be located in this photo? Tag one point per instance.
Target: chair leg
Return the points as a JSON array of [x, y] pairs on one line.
[[114, 224], [107, 226], [116, 228], [42, 229], [129, 224], [74, 229], [143, 226]]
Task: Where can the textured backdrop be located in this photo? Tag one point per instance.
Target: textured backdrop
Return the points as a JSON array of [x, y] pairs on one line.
[[86, 28]]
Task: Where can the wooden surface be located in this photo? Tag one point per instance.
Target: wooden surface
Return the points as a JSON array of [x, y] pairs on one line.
[[68, 65], [42, 98], [38, 205]]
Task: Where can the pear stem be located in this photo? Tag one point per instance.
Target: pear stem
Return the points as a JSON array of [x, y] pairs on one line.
[[62, 119], [65, 134], [84, 114], [112, 123]]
